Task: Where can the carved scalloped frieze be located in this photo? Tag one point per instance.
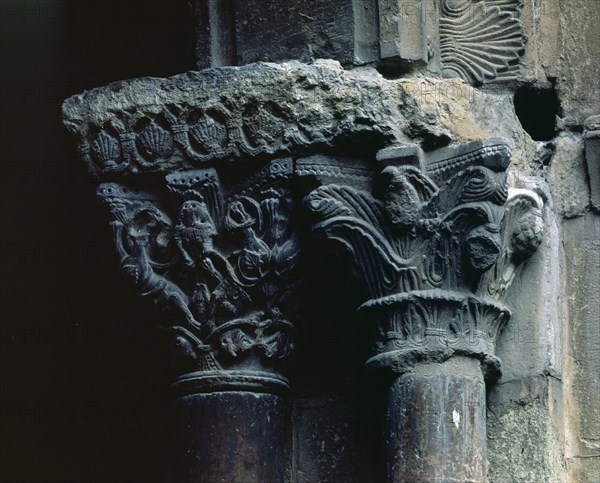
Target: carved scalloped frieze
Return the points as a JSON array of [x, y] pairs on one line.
[[193, 120], [222, 265]]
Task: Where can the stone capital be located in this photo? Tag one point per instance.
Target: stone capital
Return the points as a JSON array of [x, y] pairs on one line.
[[222, 262], [225, 145], [435, 246]]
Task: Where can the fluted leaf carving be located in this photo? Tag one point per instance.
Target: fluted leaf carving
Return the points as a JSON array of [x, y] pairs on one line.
[[481, 40]]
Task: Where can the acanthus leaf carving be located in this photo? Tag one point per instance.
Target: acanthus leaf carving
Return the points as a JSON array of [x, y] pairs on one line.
[[430, 256], [354, 221]]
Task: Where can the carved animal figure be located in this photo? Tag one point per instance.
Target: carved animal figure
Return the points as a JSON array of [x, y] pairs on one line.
[[162, 292], [194, 234]]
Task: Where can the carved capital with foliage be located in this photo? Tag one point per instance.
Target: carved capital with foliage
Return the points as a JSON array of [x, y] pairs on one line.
[[435, 246], [222, 263]]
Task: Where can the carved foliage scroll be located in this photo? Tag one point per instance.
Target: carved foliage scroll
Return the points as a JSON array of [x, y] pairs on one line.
[[222, 266]]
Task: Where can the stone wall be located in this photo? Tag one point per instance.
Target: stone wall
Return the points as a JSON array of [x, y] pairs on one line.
[[568, 53]]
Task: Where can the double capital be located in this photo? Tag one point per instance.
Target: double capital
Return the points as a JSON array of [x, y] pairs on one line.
[[208, 195]]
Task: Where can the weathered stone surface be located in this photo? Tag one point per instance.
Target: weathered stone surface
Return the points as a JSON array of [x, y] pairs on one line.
[[304, 30], [237, 119], [527, 402], [564, 50], [435, 424], [214, 31], [403, 30], [592, 158], [335, 440], [435, 249], [435, 246], [592, 123], [579, 45], [190, 120], [582, 372], [524, 427], [479, 42], [441, 212], [222, 263], [253, 31], [567, 177], [566, 36], [531, 345]]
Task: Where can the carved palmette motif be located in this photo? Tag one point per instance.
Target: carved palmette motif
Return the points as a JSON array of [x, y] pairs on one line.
[[156, 142], [434, 259], [208, 133], [185, 136], [107, 151], [223, 266], [481, 40]]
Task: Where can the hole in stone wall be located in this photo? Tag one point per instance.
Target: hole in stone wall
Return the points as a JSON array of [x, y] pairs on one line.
[[537, 110], [391, 70]]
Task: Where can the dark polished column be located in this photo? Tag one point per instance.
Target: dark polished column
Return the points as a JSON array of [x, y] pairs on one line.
[[233, 436], [435, 423]]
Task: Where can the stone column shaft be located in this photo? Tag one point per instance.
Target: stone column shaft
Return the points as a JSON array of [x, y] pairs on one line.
[[200, 175], [233, 436], [435, 247], [434, 424]]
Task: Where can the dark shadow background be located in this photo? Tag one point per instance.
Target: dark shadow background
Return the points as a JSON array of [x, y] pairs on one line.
[[81, 385], [82, 391]]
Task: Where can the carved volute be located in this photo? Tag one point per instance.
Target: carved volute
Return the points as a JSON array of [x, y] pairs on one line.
[[435, 248]]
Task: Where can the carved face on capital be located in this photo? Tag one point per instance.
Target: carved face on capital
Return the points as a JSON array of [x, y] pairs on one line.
[[194, 216], [483, 247], [148, 227], [238, 217]]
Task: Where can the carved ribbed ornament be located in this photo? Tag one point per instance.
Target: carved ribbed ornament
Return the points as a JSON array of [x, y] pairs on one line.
[[481, 41]]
